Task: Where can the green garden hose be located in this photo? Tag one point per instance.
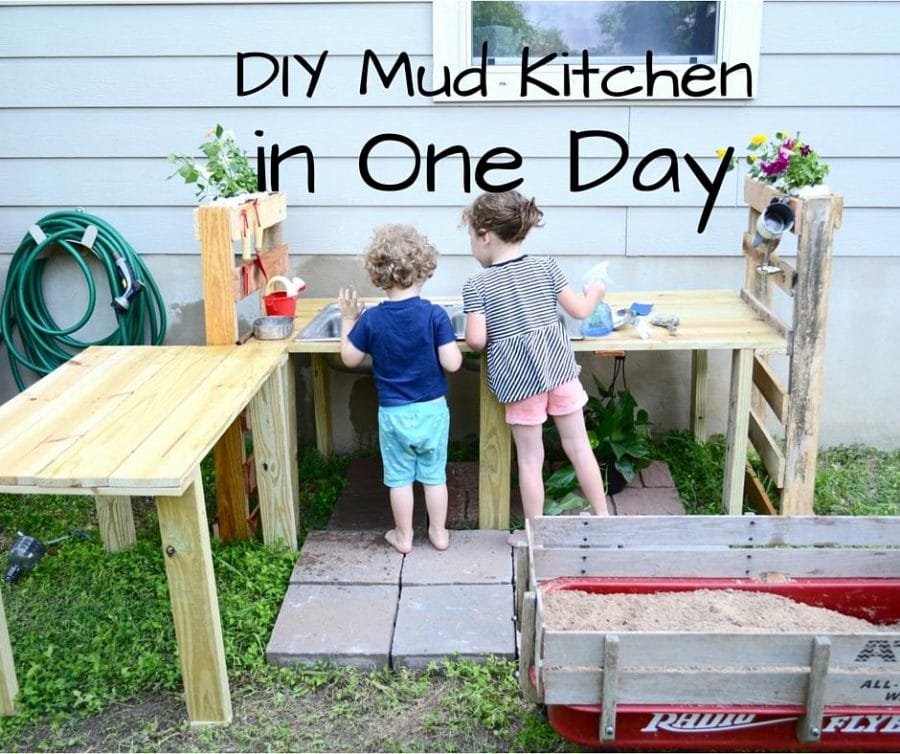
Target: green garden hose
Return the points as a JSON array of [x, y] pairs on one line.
[[41, 344]]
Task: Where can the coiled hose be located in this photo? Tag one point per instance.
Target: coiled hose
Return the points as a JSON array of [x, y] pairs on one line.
[[43, 344]]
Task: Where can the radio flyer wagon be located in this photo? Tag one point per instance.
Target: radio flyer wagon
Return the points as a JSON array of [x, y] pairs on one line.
[[671, 690]]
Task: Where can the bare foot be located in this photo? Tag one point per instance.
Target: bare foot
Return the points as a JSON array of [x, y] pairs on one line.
[[398, 543], [440, 538]]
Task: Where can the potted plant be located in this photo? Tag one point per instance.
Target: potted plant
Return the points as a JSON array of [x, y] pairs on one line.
[[786, 163], [226, 173], [619, 433]]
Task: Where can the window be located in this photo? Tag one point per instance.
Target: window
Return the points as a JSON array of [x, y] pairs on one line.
[[592, 50]]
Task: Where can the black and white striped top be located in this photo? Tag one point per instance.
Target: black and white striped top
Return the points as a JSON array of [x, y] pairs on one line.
[[528, 351]]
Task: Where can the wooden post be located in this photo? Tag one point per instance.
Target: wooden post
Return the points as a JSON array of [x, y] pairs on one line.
[[738, 424], [195, 604], [494, 458], [814, 252], [278, 496], [217, 264], [699, 394], [322, 404], [115, 520], [9, 686]]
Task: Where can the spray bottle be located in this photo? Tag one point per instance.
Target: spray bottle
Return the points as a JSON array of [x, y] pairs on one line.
[[600, 320]]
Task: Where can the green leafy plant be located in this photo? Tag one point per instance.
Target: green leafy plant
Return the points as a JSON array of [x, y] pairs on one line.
[[619, 431], [227, 171], [785, 162]]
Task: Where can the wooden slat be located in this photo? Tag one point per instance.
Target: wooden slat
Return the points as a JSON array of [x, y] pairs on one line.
[[759, 195], [769, 452], [9, 686], [739, 687], [716, 531], [757, 495], [731, 563], [711, 650], [168, 453], [495, 457], [87, 404], [115, 520], [526, 646], [278, 497], [814, 253], [216, 266], [270, 210], [736, 436], [275, 261], [767, 314], [767, 383], [195, 604], [232, 503], [809, 727], [786, 276], [93, 458], [609, 687]]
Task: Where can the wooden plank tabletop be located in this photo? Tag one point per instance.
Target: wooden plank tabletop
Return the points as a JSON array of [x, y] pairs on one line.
[[709, 320], [127, 420]]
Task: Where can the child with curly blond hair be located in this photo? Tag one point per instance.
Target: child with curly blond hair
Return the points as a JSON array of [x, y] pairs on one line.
[[411, 342]]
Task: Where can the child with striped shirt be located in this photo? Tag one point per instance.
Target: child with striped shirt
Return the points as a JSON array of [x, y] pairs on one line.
[[511, 312]]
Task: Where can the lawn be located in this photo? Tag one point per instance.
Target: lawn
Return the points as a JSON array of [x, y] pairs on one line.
[[97, 673]]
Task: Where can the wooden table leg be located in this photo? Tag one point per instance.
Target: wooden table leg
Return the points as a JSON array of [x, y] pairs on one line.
[[115, 520], [195, 604], [231, 495], [9, 687], [322, 404], [494, 458], [278, 495], [738, 424], [699, 392]]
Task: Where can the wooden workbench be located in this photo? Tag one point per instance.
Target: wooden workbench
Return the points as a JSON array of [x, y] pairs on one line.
[[709, 320], [137, 420]]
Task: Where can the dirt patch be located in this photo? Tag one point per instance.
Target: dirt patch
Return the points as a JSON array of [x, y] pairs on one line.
[[706, 610]]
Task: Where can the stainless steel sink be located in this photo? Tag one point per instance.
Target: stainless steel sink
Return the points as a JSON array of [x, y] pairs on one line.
[[326, 325]]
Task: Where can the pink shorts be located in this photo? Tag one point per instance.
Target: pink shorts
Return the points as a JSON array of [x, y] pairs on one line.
[[560, 401]]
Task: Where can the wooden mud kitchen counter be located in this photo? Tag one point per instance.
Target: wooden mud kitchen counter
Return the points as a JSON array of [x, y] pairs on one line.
[[137, 420]]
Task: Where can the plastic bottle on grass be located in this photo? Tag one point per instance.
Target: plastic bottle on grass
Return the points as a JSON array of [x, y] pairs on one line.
[[599, 322]]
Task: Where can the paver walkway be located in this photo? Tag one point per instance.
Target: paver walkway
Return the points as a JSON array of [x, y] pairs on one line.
[[354, 600]]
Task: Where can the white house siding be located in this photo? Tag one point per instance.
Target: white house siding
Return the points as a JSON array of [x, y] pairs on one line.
[[94, 96]]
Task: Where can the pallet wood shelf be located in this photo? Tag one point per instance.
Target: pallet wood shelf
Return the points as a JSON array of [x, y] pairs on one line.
[[797, 406], [230, 275]]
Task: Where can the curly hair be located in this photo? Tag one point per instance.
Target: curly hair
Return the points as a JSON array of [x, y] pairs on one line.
[[398, 256], [508, 214]]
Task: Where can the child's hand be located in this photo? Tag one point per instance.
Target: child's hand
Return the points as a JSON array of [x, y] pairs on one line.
[[595, 289], [351, 306]]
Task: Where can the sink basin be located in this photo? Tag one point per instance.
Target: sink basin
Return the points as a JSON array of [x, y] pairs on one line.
[[326, 325]]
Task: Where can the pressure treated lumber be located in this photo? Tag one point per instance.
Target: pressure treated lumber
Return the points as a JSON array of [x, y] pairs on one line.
[[9, 686], [115, 521], [195, 605], [495, 457]]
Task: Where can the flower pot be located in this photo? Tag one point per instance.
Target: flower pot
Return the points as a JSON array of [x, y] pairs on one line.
[[612, 479]]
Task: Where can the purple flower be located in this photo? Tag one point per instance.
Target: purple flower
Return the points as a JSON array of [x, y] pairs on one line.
[[778, 165], [805, 150]]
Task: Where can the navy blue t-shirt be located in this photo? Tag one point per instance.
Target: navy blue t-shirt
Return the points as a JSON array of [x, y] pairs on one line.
[[402, 338]]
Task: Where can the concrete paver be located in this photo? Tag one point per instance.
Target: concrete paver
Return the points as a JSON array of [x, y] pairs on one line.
[[347, 557], [471, 621], [648, 501], [340, 624], [479, 556]]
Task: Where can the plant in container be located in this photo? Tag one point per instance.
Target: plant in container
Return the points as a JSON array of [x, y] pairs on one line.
[[786, 163], [227, 171]]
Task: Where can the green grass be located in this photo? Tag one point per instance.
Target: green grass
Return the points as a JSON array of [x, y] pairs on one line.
[[96, 657]]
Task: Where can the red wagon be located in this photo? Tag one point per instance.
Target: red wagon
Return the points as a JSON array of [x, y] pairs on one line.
[[674, 690]]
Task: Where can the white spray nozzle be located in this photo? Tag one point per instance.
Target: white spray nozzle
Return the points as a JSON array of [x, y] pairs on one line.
[[598, 273]]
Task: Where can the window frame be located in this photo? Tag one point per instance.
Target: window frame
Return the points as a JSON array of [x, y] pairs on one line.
[[740, 30]]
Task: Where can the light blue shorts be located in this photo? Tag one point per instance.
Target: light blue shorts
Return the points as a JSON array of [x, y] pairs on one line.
[[413, 440]]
